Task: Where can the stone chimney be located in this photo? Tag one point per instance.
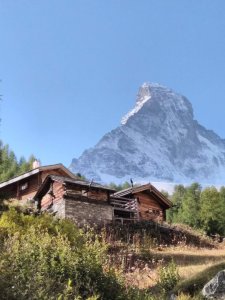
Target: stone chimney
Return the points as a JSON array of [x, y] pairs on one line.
[[36, 164]]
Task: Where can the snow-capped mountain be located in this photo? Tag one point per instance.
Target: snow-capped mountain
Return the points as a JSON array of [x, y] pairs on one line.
[[158, 140]]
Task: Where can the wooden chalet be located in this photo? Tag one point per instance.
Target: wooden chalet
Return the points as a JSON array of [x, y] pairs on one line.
[[149, 203], [25, 186], [79, 200], [90, 202]]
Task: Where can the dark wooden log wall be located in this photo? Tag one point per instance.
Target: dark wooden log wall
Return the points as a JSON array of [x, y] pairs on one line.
[[9, 191], [149, 208], [14, 190]]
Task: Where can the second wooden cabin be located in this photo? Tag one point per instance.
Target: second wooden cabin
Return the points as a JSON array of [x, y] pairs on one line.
[[151, 203]]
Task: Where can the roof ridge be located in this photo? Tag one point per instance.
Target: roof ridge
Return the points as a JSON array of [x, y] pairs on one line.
[[32, 172]]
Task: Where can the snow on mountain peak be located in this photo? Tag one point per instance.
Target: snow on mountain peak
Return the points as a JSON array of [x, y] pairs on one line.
[[144, 94], [163, 94]]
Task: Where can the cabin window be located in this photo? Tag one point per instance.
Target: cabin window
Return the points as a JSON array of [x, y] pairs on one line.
[[154, 211], [24, 186]]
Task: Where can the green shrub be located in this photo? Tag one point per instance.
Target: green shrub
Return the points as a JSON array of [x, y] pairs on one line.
[[168, 277], [45, 258]]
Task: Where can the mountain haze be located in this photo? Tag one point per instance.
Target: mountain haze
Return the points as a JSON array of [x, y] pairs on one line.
[[158, 140]]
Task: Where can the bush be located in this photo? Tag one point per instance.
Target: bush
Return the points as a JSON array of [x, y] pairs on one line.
[[168, 277], [44, 258]]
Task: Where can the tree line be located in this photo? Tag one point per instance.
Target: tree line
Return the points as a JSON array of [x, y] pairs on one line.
[[10, 166], [199, 208]]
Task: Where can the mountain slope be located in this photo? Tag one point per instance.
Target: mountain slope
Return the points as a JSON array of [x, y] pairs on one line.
[[158, 140]]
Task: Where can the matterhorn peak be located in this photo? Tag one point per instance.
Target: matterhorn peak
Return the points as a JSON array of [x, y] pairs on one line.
[[144, 94], [147, 86], [159, 140], [146, 90]]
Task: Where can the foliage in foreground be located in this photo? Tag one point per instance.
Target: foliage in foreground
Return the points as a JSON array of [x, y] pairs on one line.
[[44, 258], [168, 277]]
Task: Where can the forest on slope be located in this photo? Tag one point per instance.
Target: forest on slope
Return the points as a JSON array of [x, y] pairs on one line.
[[10, 166], [199, 208]]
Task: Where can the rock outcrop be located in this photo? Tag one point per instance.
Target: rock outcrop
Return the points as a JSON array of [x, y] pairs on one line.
[[215, 288]]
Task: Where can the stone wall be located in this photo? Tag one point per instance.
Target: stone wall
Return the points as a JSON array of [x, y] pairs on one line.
[[87, 212], [59, 208]]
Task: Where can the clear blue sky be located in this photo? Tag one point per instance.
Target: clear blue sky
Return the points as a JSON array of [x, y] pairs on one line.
[[71, 69]]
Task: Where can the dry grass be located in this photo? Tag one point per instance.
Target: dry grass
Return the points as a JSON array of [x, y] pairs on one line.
[[139, 253], [198, 262], [142, 278], [190, 261]]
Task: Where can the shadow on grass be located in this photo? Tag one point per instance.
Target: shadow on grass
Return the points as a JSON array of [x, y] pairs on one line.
[[187, 259], [155, 259]]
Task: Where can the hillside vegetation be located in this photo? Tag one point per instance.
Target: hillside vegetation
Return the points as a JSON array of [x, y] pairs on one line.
[[42, 257], [45, 258]]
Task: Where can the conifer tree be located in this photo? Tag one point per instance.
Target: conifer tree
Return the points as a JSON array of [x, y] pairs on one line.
[[9, 166], [173, 214], [212, 211], [191, 206]]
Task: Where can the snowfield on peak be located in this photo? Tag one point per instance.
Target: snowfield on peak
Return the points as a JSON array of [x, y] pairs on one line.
[[137, 107], [143, 96]]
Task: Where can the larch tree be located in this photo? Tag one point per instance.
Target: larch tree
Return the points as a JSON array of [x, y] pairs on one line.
[[191, 206], [212, 211]]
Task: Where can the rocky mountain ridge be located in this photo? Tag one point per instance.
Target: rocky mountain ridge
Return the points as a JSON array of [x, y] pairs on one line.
[[158, 140]]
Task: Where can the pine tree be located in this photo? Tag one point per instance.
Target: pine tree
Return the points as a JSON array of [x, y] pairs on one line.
[[9, 166]]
